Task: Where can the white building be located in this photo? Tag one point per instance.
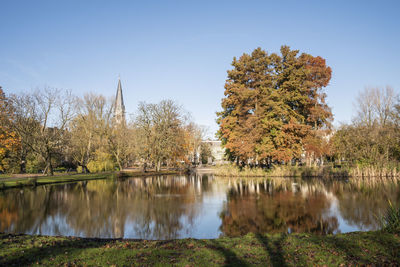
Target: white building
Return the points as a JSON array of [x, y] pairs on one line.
[[217, 151]]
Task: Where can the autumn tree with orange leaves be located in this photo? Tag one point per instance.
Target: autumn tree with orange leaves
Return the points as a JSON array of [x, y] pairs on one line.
[[9, 140], [274, 105]]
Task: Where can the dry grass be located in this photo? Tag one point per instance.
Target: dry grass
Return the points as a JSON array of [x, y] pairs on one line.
[[234, 171], [231, 170]]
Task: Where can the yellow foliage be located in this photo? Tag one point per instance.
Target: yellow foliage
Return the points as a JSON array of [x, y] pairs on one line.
[[9, 143], [102, 162]]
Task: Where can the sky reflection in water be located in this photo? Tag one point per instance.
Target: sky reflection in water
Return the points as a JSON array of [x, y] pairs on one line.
[[196, 206]]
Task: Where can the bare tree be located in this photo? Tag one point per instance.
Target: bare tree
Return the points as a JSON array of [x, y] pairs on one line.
[[365, 107], [120, 141], [384, 104], [375, 106], [374, 136], [194, 135], [41, 120], [89, 127], [144, 132], [160, 132]]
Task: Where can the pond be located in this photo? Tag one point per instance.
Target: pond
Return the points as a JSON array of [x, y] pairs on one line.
[[199, 206]]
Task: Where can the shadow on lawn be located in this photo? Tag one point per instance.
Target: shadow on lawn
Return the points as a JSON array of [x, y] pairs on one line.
[[39, 250], [48, 250], [231, 259], [7, 240], [273, 249], [354, 248], [370, 248]]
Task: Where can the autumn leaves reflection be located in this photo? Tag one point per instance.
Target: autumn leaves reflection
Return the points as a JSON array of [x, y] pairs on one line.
[[278, 207], [171, 207]]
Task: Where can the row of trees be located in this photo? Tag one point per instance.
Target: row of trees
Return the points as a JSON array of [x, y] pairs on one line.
[[373, 137], [274, 110], [52, 128]]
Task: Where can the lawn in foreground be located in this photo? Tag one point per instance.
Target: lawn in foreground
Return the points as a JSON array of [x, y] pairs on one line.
[[358, 248]]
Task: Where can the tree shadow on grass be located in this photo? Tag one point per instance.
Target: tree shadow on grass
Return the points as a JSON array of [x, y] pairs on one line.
[[46, 249], [273, 248], [43, 250], [231, 259], [363, 248], [12, 239]]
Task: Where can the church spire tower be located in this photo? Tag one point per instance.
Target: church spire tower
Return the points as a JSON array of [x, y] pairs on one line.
[[119, 107]]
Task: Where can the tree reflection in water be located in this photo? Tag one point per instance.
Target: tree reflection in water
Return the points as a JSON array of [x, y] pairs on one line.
[[155, 208], [276, 207], [175, 206]]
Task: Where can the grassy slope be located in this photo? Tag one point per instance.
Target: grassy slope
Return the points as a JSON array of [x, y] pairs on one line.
[[24, 181], [359, 248]]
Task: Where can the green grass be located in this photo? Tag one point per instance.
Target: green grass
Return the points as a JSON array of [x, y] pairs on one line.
[[358, 248], [42, 180], [391, 219], [3, 175]]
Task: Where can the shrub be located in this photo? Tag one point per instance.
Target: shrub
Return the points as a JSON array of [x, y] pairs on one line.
[[33, 165], [60, 169], [100, 166], [102, 162]]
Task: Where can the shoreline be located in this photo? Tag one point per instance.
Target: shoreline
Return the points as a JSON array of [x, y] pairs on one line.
[[295, 172], [7, 183], [324, 172], [356, 248]]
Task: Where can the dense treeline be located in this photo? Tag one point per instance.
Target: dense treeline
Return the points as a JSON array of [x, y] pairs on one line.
[[51, 128], [373, 137], [274, 111]]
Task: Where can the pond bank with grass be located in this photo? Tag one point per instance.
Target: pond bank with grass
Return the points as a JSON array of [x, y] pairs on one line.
[[329, 171], [357, 248], [15, 182]]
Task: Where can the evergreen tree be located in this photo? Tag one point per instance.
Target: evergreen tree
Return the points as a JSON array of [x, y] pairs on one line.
[[272, 103]]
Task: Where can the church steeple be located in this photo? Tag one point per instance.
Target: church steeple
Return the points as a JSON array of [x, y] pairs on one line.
[[119, 107]]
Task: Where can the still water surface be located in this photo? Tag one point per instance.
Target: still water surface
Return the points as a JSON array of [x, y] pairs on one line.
[[199, 206]]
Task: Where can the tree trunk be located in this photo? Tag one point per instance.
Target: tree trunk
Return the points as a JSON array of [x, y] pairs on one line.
[[158, 166], [119, 165], [145, 167], [85, 168], [49, 167], [22, 165]]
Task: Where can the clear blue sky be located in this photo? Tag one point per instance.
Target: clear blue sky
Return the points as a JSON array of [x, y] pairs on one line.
[[181, 50]]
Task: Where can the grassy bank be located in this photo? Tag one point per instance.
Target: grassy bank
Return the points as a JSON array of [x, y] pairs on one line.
[[42, 180], [303, 171], [359, 248]]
